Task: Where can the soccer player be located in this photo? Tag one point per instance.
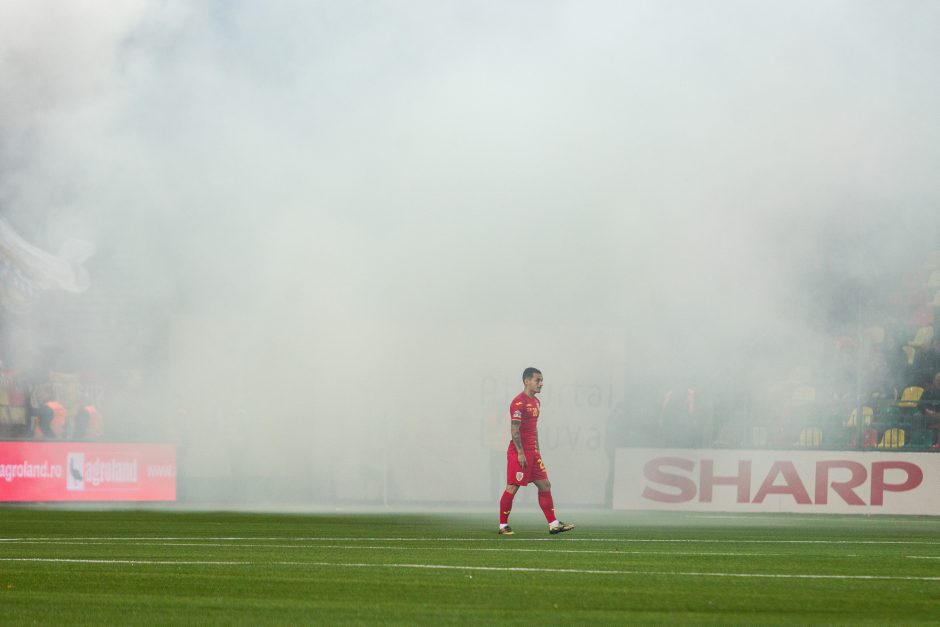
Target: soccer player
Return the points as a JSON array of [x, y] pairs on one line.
[[523, 460]]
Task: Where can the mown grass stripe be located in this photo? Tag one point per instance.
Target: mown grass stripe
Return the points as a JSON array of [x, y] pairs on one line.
[[80, 560], [501, 549], [515, 538], [576, 571]]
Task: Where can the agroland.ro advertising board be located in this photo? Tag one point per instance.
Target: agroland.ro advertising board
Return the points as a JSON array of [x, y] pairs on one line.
[[81, 471], [836, 482]]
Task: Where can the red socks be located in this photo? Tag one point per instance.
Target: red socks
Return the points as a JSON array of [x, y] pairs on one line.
[[547, 505], [505, 506], [545, 502]]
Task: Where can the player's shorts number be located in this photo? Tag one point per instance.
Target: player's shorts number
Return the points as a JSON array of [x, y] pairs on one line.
[[541, 465]]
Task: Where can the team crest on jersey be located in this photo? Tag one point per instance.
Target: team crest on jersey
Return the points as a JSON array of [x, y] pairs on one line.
[[519, 476]]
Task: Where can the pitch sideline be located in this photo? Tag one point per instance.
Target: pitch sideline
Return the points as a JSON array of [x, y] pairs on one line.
[[575, 571], [516, 538]]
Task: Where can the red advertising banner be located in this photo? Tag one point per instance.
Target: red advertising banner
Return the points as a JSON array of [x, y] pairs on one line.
[[85, 471]]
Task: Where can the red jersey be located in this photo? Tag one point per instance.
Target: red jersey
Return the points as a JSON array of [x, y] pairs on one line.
[[526, 409]]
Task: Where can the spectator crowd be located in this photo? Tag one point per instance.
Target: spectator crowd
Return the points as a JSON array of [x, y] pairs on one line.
[[55, 406], [884, 365]]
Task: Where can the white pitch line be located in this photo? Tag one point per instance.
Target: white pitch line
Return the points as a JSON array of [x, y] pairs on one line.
[[577, 571], [493, 539], [923, 557], [823, 518], [69, 560], [622, 572], [407, 548], [521, 550]]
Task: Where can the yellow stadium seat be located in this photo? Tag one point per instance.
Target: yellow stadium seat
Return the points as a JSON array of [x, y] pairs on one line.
[[810, 436], [910, 396], [892, 438], [867, 412], [803, 395], [922, 337], [910, 351]]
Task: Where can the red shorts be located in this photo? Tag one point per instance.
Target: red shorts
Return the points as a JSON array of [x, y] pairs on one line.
[[534, 468]]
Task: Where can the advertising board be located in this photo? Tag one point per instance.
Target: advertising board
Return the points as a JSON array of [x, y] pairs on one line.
[[85, 471], [836, 482]]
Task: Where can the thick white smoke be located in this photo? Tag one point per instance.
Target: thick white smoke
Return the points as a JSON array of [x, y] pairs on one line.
[[342, 230]]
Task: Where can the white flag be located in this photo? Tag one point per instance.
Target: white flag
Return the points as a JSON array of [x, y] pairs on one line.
[[25, 270]]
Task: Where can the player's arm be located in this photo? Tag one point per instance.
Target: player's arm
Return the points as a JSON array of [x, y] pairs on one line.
[[514, 428]]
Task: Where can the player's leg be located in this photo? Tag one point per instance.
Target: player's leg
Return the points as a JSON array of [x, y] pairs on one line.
[[540, 479], [514, 477], [548, 504], [545, 499], [505, 507]]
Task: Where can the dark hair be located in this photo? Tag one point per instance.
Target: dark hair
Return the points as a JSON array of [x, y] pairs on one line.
[[530, 372]]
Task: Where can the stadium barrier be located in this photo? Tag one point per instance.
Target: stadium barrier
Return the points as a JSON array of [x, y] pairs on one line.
[[83, 471], [824, 482]]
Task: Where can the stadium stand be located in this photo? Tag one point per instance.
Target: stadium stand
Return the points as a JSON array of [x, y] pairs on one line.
[[894, 437], [910, 396], [811, 437], [880, 360]]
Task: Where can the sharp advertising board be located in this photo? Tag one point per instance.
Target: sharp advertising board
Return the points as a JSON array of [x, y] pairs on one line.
[[836, 482]]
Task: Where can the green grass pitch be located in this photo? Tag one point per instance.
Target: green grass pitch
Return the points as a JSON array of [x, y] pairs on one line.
[[69, 567]]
